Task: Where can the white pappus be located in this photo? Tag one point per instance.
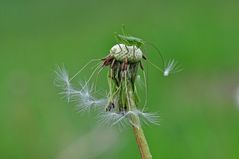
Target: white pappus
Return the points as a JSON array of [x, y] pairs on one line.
[[84, 97], [171, 67], [124, 118]]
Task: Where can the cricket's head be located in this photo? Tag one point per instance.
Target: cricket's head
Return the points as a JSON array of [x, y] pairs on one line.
[[139, 42]]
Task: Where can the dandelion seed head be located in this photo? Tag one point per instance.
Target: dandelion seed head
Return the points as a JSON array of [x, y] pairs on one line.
[[122, 99]]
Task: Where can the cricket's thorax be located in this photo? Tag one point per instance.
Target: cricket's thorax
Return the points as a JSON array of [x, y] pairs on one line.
[[131, 39], [122, 52]]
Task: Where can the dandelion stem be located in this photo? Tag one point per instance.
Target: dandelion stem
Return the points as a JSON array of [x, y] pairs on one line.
[[137, 129], [142, 143]]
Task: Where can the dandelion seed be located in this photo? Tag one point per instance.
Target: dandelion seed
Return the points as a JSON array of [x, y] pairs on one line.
[[63, 82], [132, 115], [171, 67], [123, 119], [84, 96], [148, 118], [113, 118], [62, 77], [86, 100]]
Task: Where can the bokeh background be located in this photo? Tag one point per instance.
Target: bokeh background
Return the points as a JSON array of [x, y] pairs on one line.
[[198, 107]]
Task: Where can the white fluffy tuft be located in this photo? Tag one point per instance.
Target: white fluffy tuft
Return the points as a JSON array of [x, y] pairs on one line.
[[86, 100], [63, 82], [171, 67], [84, 96], [113, 119], [125, 118]]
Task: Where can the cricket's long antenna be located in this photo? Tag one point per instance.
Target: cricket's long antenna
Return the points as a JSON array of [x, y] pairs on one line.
[[158, 51], [155, 66], [123, 29]]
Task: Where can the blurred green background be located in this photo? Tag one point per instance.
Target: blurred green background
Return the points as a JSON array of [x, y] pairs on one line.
[[198, 108]]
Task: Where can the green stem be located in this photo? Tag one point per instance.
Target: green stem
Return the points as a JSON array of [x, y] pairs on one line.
[[137, 129], [142, 143]]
